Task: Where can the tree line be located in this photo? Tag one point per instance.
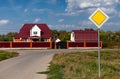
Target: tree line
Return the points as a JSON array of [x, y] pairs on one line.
[[7, 37], [110, 39]]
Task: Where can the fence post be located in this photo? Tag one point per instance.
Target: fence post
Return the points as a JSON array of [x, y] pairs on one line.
[[30, 44], [10, 44], [55, 45], [101, 44], [50, 45], [84, 43]]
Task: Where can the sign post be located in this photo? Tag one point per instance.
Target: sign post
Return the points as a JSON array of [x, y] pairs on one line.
[[99, 18], [99, 53]]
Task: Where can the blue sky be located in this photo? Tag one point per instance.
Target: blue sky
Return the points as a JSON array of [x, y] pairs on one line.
[[57, 14]]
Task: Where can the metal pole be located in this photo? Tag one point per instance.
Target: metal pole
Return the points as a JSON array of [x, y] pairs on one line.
[[99, 53]]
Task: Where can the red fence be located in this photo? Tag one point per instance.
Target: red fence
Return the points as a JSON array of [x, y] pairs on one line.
[[83, 44], [92, 44], [25, 44], [76, 44], [20, 44], [4, 44], [41, 44], [65, 45], [49, 44]]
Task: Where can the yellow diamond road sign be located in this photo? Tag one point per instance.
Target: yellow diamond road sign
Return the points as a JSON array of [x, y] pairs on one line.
[[99, 18]]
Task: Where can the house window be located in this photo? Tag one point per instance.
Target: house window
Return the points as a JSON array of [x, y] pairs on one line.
[[24, 40], [35, 33]]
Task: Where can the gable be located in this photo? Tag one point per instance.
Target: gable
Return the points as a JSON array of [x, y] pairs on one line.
[[72, 37], [35, 31]]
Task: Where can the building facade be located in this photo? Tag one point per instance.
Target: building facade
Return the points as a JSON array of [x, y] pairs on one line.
[[33, 33], [83, 35]]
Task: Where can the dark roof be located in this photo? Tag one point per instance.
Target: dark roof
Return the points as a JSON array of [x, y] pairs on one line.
[[25, 31], [89, 35]]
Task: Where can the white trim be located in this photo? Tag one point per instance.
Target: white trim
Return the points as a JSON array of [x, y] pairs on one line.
[[72, 37]]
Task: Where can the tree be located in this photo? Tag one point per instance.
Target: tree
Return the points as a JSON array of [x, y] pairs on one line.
[[64, 35], [55, 34], [89, 29], [7, 37], [10, 35], [110, 39]]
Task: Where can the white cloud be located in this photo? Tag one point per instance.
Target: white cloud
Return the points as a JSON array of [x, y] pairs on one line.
[[41, 10], [67, 27], [75, 6], [38, 10], [109, 10], [112, 24], [119, 14], [85, 23], [87, 4], [52, 1], [26, 20], [25, 10], [65, 14], [36, 20], [4, 22], [107, 26], [61, 20]]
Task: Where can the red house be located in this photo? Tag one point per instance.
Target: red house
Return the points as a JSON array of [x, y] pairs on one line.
[[33, 32], [84, 35]]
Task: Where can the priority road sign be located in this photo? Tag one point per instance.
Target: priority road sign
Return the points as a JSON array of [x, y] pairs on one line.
[[99, 18]]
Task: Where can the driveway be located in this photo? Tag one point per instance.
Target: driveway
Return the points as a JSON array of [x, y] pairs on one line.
[[28, 64]]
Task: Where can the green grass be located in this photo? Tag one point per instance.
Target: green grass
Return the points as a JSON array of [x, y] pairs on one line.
[[6, 55], [84, 65]]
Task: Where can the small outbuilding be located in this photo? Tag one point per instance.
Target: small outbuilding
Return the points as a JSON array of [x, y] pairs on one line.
[[83, 35]]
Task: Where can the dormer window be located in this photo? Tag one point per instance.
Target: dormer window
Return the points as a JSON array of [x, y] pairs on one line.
[[35, 33]]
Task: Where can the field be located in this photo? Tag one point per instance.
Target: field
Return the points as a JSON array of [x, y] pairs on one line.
[[84, 65], [5, 55]]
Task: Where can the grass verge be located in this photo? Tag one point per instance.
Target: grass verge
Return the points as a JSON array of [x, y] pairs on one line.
[[84, 65], [6, 55]]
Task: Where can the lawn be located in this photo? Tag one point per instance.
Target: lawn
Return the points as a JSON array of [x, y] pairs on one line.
[[6, 55], [84, 65]]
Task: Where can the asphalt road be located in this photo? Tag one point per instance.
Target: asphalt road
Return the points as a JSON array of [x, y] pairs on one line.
[[28, 64]]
